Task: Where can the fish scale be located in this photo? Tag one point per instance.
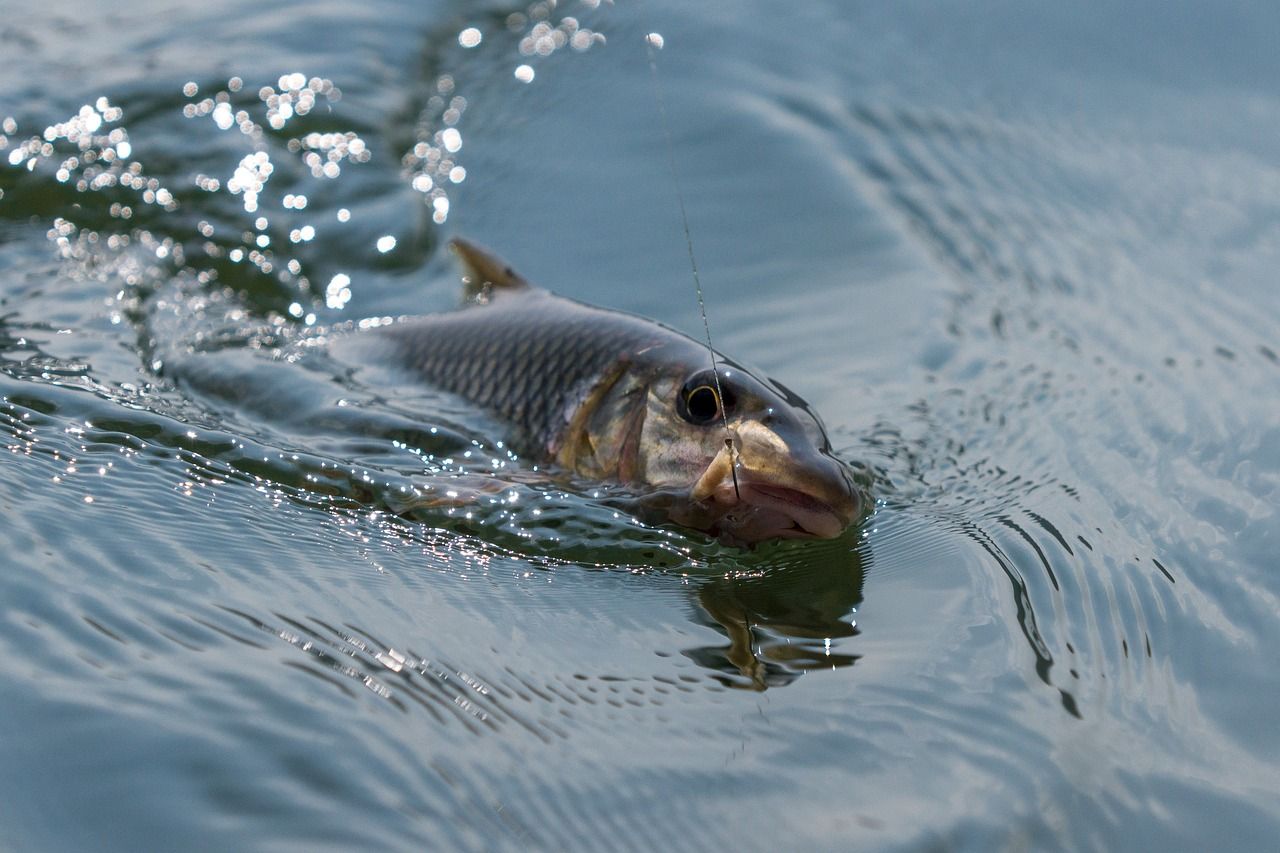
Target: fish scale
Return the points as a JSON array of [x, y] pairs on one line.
[[528, 357]]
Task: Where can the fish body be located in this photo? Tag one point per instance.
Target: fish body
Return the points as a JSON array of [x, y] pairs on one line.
[[611, 396]]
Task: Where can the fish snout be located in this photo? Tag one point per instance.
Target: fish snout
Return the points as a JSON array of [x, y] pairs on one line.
[[768, 488]]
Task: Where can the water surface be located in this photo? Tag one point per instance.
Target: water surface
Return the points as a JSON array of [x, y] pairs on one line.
[[1021, 260]]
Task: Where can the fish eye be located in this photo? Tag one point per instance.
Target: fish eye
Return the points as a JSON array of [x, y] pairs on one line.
[[703, 404], [699, 402]]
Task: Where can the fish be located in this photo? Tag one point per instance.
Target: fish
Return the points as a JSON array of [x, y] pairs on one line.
[[613, 397]]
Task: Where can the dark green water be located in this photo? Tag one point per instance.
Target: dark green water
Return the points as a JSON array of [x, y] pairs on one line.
[[1022, 259]]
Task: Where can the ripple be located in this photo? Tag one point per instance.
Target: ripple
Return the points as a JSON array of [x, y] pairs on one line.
[[1044, 327]]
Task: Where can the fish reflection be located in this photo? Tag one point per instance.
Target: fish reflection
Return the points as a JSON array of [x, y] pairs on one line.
[[783, 618]]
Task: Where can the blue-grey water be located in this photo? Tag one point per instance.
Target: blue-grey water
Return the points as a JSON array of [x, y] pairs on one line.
[[1022, 258]]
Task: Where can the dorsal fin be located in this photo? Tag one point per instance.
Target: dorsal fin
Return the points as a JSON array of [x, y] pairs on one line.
[[484, 271]]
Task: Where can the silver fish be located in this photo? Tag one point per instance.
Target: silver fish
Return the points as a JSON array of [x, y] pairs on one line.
[[610, 396]]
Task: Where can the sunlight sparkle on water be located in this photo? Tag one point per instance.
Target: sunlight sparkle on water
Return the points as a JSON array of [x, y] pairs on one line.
[[250, 177], [338, 292], [223, 117], [545, 38], [86, 152], [431, 164]]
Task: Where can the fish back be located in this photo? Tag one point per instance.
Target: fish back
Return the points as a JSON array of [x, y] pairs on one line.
[[528, 357]]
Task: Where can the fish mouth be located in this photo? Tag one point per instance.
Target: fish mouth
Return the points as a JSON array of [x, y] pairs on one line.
[[798, 515], [769, 492], [752, 511]]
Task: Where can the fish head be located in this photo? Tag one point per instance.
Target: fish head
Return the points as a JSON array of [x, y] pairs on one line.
[[741, 458]]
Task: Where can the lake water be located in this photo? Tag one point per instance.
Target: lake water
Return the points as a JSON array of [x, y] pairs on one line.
[[1022, 259]]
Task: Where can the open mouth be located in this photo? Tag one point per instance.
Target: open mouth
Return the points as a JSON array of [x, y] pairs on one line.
[[758, 511], [754, 508], [790, 513]]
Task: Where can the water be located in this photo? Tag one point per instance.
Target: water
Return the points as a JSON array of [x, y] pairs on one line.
[[1020, 259]]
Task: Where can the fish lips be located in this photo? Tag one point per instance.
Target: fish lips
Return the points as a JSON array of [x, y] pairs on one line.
[[752, 511]]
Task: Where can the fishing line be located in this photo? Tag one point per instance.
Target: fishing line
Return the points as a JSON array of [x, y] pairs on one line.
[[654, 40]]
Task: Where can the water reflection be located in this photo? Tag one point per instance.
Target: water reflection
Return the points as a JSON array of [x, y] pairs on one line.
[[784, 618], [494, 701], [781, 619]]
